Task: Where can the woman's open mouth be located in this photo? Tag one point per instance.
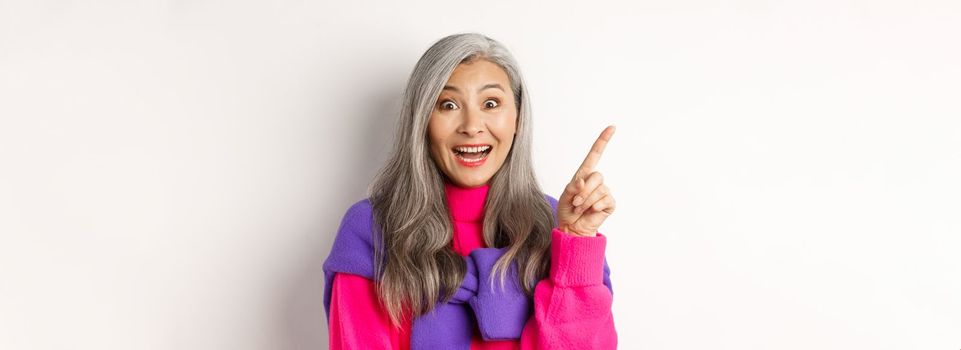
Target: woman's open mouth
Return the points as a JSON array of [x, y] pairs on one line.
[[472, 155]]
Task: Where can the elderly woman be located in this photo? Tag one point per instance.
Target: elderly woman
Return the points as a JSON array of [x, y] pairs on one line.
[[456, 246]]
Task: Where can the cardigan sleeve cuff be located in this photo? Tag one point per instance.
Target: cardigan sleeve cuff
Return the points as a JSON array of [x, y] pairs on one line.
[[575, 260]]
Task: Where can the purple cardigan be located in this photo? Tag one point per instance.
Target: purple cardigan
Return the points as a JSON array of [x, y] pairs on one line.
[[499, 314]]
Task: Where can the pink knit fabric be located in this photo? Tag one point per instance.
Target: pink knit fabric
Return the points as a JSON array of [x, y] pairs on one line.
[[572, 308]]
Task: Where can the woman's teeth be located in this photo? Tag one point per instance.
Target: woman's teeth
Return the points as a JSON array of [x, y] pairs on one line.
[[472, 149]]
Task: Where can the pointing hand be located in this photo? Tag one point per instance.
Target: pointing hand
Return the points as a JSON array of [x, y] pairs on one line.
[[586, 201]]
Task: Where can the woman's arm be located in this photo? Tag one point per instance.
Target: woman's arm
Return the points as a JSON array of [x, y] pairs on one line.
[[357, 320], [572, 307]]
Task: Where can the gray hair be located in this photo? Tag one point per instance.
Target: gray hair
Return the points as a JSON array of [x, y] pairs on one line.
[[415, 265]]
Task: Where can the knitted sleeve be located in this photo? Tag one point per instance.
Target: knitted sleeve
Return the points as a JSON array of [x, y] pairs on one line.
[[357, 320], [572, 307]]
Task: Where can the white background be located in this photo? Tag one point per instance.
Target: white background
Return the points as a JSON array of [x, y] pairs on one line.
[[787, 174]]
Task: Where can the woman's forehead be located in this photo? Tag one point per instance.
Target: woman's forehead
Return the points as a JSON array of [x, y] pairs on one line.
[[477, 76]]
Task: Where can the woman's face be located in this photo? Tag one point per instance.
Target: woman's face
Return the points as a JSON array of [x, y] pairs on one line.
[[472, 125]]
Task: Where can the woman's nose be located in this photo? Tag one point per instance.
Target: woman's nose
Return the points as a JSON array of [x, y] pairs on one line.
[[471, 122]]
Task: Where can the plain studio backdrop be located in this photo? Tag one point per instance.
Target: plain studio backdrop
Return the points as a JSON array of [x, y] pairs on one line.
[[173, 173]]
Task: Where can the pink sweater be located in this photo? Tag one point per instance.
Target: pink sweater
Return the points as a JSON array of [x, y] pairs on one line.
[[572, 308]]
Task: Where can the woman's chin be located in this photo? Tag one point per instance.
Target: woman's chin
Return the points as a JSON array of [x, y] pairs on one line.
[[472, 181]]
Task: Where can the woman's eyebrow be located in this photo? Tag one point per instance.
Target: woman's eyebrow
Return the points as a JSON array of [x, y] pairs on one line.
[[488, 86]]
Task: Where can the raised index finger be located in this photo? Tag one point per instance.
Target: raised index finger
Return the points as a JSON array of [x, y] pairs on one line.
[[595, 154]]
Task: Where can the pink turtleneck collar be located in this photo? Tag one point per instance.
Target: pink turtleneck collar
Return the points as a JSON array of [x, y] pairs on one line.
[[466, 204]]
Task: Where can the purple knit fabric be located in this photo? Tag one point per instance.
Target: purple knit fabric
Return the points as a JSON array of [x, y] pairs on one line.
[[498, 314]]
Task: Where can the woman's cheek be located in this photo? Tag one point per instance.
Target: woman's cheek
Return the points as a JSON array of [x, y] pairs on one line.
[[506, 123]]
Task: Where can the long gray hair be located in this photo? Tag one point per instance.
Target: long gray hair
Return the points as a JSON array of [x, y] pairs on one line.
[[414, 260]]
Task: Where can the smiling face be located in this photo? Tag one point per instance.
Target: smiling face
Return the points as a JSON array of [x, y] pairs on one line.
[[472, 124]]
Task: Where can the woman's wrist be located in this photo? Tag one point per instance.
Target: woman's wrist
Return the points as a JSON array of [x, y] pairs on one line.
[[570, 230]]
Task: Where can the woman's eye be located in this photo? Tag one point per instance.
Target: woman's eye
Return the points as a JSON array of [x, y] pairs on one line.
[[490, 103], [448, 105]]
